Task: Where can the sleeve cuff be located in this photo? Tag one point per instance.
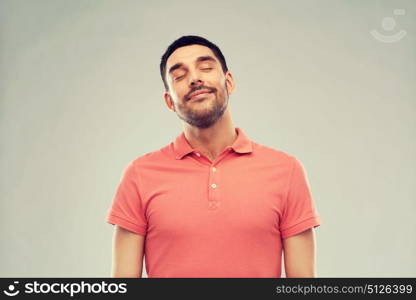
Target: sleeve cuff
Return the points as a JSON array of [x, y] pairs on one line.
[[300, 227], [116, 220]]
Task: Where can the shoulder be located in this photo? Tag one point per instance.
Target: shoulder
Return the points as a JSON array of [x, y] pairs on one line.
[[274, 155], [160, 156]]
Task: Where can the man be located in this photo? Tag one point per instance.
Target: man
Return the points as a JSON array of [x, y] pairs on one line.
[[212, 203]]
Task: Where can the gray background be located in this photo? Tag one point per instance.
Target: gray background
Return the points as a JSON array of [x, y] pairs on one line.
[[81, 97]]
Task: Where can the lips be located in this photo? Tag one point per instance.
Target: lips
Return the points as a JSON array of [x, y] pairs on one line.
[[199, 92]]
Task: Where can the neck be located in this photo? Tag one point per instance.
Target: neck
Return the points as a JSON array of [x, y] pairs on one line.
[[213, 140]]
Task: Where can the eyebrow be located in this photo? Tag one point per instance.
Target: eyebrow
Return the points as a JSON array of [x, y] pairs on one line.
[[198, 60]]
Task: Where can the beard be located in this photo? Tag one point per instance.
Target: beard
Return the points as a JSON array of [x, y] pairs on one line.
[[207, 112]]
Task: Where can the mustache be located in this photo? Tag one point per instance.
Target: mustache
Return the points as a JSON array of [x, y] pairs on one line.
[[211, 90]]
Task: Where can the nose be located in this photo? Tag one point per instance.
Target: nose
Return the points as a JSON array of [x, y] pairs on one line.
[[194, 79]]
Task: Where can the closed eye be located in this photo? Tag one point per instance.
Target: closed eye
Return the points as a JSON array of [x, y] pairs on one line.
[[180, 77]]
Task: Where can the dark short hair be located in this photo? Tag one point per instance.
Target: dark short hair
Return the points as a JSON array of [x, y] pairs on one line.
[[186, 41]]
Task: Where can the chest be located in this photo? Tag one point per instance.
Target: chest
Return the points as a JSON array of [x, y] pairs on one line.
[[208, 200]]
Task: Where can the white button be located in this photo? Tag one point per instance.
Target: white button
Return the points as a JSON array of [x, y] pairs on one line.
[[214, 169], [213, 185], [197, 154]]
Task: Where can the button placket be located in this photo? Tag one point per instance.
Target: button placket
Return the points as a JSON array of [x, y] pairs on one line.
[[213, 186]]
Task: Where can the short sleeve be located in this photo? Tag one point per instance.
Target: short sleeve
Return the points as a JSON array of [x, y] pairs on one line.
[[127, 207], [299, 211]]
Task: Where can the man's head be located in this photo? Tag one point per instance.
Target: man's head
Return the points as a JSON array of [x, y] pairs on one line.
[[190, 65]]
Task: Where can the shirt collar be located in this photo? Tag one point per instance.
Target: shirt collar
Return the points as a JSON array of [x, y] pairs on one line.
[[242, 144]]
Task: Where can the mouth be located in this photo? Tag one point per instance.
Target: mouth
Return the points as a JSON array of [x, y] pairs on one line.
[[199, 94]]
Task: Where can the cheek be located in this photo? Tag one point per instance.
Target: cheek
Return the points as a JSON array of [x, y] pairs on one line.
[[182, 89], [223, 87], [178, 91]]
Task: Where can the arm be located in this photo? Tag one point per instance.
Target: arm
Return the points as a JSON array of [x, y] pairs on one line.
[[127, 253], [299, 254]]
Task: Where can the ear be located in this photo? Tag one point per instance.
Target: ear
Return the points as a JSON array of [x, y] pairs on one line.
[[169, 101], [229, 81]]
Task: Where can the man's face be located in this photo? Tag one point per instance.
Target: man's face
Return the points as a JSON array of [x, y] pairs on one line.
[[192, 69]]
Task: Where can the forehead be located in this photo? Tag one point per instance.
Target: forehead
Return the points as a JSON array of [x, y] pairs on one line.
[[188, 54]]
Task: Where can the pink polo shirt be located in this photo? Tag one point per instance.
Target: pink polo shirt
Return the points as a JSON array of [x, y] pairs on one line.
[[221, 218]]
